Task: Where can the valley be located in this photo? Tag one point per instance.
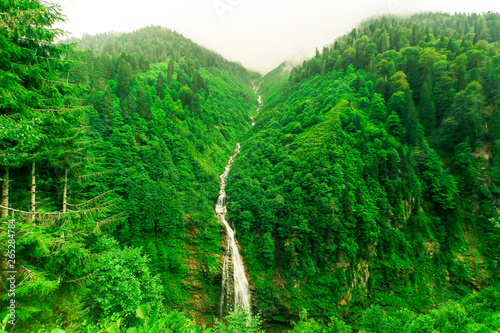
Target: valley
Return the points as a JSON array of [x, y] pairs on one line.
[[158, 187]]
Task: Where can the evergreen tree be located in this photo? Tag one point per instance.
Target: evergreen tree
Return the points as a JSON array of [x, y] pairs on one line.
[[125, 75], [410, 120], [160, 87], [399, 83], [394, 126], [143, 107], [397, 103], [314, 67], [103, 103], [171, 70], [378, 109], [427, 107], [494, 124], [32, 91]]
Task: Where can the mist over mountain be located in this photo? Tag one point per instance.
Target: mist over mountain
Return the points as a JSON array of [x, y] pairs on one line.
[[260, 34]]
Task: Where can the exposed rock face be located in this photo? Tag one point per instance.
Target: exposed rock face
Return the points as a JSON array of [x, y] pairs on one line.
[[202, 279]]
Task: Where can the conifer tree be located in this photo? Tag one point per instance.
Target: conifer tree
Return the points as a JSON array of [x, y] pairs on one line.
[[31, 89], [160, 87], [494, 125], [104, 105], [394, 126], [410, 120], [171, 69], [143, 107], [378, 109], [427, 107], [125, 75]]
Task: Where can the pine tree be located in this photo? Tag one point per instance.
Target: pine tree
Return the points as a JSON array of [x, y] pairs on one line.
[[103, 102], [40, 122], [410, 120], [476, 39], [125, 75], [171, 69], [397, 103], [378, 110], [313, 67], [427, 107], [143, 107], [398, 82], [394, 126], [195, 84], [160, 87], [494, 125], [31, 89], [66, 147]]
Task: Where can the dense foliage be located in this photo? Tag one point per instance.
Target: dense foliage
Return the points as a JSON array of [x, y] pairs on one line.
[[163, 133], [125, 185], [371, 175], [365, 196]]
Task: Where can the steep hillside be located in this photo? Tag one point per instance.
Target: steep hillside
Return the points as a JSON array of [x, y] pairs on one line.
[[157, 116], [372, 173], [170, 128], [366, 197]]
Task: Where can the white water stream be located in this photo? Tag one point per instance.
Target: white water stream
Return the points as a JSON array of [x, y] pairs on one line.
[[235, 292], [256, 89], [232, 259]]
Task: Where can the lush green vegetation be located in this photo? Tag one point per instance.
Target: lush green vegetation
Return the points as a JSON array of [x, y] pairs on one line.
[[365, 197], [371, 175], [125, 149]]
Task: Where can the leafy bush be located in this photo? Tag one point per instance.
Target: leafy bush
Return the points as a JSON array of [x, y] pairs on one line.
[[238, 322], [306, 325], [124, 281]]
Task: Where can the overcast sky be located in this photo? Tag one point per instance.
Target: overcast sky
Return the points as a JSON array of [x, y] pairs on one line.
[[258, 33]]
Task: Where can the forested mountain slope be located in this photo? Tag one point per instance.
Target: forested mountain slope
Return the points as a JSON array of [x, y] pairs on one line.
[[169, 114], [365, 198], [372, 174], [134, 169]]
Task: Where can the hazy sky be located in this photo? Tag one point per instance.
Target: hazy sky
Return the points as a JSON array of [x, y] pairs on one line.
[[258, 33]]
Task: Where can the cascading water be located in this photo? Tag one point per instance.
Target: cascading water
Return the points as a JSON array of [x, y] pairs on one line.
[[235, 292], [256, 89]]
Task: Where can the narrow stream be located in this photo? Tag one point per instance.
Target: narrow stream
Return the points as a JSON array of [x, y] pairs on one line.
[[235, 292], [256, 89]]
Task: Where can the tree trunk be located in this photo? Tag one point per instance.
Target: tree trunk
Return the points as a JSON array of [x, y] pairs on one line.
[[5, 193], [65, 190], [32, 190]]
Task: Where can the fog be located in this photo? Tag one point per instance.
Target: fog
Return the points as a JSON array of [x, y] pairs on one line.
[[260, 34]]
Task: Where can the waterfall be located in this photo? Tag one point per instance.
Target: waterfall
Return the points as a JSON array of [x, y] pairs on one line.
[[256, 89], [235, 292]]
